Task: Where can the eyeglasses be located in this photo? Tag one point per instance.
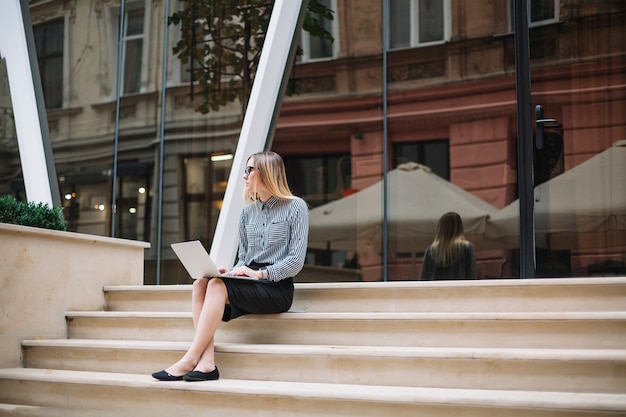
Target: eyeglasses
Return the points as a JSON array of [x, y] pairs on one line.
[[248, 170]]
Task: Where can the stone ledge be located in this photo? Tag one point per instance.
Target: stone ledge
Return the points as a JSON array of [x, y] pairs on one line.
[[531, 400]]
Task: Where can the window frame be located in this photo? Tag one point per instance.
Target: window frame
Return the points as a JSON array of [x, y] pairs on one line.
[[335, 166], [421, 145], [414, 27], [115, 20]]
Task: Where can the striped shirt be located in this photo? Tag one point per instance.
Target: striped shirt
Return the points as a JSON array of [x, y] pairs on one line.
[[276, 233]]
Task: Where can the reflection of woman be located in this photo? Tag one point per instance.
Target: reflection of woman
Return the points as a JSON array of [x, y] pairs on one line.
[[450, 256], [273, 234]]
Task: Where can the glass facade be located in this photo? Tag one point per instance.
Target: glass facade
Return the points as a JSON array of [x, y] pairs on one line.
[[379, 148]]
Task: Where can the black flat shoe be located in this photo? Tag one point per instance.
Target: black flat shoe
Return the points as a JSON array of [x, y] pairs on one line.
[[164, 376], [202, 376]]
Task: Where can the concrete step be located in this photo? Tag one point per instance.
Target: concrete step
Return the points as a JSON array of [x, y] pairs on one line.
[[11, 410], [571, 370], [81, 394], [574, 330], [536, 295]]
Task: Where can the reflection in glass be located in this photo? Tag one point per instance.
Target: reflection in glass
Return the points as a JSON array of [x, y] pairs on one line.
[[313, 47], [400, 23], [430, 21], [541, 10], [318, 47], [133, 49], [451, 107], [416, 22], [49, 44], [433, 154], [12, 181], [204, 182]]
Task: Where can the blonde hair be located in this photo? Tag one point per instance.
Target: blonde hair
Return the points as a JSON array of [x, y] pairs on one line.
[[270, 166], [449, 240]]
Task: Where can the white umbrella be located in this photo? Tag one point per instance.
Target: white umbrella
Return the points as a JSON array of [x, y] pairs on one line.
[[584, 207], [417, 198]]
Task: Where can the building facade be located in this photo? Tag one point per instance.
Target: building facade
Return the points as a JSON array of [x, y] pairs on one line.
[[438, 89]]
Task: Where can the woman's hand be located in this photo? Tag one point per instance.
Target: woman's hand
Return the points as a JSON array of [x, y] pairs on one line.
[[245, 272]]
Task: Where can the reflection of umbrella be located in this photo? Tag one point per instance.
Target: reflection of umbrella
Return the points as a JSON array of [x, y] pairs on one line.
[[416, 200], [584, 207]]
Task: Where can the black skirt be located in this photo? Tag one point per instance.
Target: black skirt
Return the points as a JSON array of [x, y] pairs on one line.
[[257, 297]]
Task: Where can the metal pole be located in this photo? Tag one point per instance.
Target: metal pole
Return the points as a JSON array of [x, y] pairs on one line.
[[159, 208], [116, 135], [524, 141], [385, 27]]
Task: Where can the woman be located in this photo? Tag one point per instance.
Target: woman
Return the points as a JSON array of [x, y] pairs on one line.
[[450, 256], [273, 234]]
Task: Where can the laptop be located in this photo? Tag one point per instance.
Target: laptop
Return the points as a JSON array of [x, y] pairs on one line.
[[197, 261]]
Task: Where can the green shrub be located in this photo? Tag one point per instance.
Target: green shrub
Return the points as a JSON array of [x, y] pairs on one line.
[[31, 214]]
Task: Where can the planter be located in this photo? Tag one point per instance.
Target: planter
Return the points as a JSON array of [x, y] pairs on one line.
[[44, 273]]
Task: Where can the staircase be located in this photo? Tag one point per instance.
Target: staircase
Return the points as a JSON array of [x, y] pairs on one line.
[[514, 348]]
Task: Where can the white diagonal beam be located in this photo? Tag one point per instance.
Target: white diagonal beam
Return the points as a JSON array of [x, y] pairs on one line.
[[27, 99]]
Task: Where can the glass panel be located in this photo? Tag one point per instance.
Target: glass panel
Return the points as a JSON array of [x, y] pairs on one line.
[[430, 21], [196, 175], [11, 179], [135, 23], [132, 66], [49, 44], [86, 200], [541, 10], [400, 23], [319, 179], [322, 48], [433, 154], [205, 180], [449, 151], [452, 110], [51, 75], [54, 37], [580, 198], [196, 215]]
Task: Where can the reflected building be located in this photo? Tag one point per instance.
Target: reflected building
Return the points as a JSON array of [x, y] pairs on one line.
[[444, 98]]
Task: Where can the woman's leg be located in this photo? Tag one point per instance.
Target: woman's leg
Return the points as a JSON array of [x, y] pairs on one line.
[[197, 298], [209, 317]]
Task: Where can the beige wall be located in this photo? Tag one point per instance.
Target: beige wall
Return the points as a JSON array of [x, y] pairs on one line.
[[45, 273]]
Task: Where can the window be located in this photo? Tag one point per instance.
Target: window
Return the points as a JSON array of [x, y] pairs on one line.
[[316, 48], [434, 154], [418, 22], [49, 45], [543, 11], [203, 186], [132, 43], [540, 12], [319, 179]]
